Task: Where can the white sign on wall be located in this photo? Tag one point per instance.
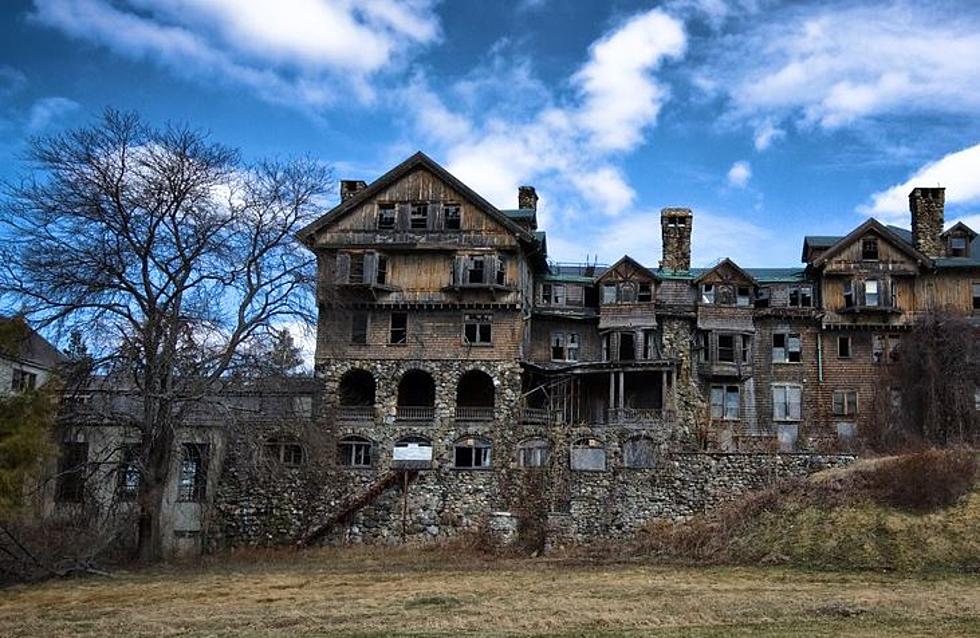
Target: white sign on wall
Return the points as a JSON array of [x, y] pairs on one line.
[[413, 452]]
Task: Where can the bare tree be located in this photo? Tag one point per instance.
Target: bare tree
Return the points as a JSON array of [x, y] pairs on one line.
[[169, 253]]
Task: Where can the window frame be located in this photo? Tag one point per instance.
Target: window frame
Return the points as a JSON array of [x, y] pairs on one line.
[[850, 347], [415, 214], [394, 331], [587, 443], [359, 332], [787, 403], [192, 474], [536, 450], [870, 250], [129, 476], [787, 350], [353, 447], [72, 472], [457, 217], [480, 321], [724, 392], [381, 221], [23, 380], [847, 400], [480, 450]]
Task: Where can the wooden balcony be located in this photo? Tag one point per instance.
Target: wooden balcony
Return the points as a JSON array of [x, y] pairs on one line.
[[415, 413], [355, 413], [474, 413]]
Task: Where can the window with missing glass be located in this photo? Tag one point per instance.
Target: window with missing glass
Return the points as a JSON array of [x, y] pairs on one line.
[[725, 401], [786, 347], [869, 249], [478, 329], [192, 479], [451, 217], [398, 332], [419, 216], [354, 451], [471, 453], [387, 216]]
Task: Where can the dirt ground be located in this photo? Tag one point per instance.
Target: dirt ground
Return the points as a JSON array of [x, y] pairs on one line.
[[372, 592]]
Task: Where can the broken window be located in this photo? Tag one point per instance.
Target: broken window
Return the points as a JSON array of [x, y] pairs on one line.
[[285, 451], [588, 454], [725, 402], [605, 347], [640, 453], [72, 470], [192, 479], [359, 327], [869, 249], [786, 400], [801, 296], [553, 294], [707, 293], [762, 297], [471, 453], [849, 294], [726, 348], [564, 346], [477, 329], [575, 295], [128, 473], [354, 451], [645, 293], [786, 347], [843, 347], [703, 350], [23, 381], [746, 348], [419, 216], [871, 298], [475, 270], [356, 273], [627, 346], [501, 271], [451, 217], [381, 275], [399, 328], [845, 402], [743, 296], [877, 348], [533, 453], [627, 292], [651, 345], [608, 293], [387, 214]]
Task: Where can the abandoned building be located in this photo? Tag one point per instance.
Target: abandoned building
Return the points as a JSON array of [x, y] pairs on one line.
[[461, 375]]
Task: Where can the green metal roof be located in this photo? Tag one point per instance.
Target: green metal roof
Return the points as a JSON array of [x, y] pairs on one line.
[[520, 213]]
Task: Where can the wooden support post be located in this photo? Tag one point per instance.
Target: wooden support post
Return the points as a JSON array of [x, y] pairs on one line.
[[404, 506], [612, 396], [622, 390]]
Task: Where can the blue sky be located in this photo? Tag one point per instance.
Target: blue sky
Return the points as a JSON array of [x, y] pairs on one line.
[[770, 119]]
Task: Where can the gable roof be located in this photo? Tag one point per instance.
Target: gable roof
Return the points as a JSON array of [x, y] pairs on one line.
[[418, 160], [959, 226], [726, 262], [887, 233], [31, 347], [627, 260]]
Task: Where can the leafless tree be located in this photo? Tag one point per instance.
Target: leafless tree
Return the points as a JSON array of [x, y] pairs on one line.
[[169, 253]]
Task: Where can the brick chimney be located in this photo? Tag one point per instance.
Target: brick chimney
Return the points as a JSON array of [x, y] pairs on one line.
[[351, 187], [527, 197], [675, 226], [926, 205]]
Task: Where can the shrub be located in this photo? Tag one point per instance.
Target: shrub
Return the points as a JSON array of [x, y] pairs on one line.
[[925, 481]]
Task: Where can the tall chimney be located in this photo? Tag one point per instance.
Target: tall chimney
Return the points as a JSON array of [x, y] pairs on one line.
[[351, 187], [675, 226], [926, 205], [527, 197]]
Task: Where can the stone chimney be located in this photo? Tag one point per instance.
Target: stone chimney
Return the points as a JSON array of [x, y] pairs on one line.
[[351, 187], [527, 197], [927, 205], [675, 226]]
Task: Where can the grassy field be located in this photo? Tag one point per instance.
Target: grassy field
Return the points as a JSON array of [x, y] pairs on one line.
[[373, 592]]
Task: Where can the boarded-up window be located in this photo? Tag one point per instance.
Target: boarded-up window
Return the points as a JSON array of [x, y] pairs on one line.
[[786, 402], [533, 453], [588, 455], [640, 452], [845, 402]]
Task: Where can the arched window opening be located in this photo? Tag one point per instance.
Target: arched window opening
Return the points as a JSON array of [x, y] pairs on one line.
[[475, 396], [355, 451], [284, 450], [640, 452], [357, 395], [588, 454], [533, 453], [416, 396], [412, 452], [472, 453]]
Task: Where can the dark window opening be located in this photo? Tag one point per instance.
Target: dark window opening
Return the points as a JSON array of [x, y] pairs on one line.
[[475, 390], [381, 276], [726, 348], [419, 217], [416, 389], [72, 469], [844, 347], [786, 348], [976, 296], [957, 246], [477, 329], [475, 271], [284, 451], [359, 327], [23, 381], [869, 250], [192, 480], [387, 214], [533, 453], [471, 454], [128, 474], [848, 294], [501, 271], [627, 347], [451, 217], [356, 388], [801, 296], [356, 275], [354, 451], [645, 293], [399, 328]]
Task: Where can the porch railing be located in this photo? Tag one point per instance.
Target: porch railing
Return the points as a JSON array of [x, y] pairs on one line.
[[355, 413], [415, 413], [537, 416], [474, 413], [636, 416]]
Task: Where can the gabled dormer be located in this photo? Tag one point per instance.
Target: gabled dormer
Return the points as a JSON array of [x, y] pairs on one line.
[[958, 240], [627, 282], [869, 248], [726, 284]]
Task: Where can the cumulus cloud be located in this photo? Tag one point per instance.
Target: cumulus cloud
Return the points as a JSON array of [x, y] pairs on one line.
[[739, 174], [830, 65], [291, 51], [47, 111], [958, 172]]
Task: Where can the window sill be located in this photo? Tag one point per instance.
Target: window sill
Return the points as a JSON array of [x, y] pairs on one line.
[[472, 469], [477, 345], [787, 363]]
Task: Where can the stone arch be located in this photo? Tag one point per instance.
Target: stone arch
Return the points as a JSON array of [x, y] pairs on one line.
[[416, 388], [475, 389], [588, 453], [472, 452], [533, 452], [357, 388]]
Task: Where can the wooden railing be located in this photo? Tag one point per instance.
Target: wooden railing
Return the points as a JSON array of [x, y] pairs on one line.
[[538, 416], [637, 416], [415, 413], [355, 413], [474, 413]]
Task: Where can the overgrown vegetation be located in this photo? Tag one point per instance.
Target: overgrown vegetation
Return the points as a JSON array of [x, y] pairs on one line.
[[913, 512]]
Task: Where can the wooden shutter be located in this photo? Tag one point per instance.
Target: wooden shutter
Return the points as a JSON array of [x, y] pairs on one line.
[[490, 263], [342, 271], [795, 396], [370, 268], [459, 270], [432, 213], [402, 216]]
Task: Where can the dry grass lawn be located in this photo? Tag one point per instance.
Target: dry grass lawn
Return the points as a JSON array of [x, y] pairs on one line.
[[373, 592]]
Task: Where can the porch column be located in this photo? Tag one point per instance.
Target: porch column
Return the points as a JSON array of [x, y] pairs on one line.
[[622, 390], [612, 396]]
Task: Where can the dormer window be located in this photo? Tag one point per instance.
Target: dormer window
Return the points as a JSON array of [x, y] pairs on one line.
[[707, 293], [387, 213], [743, 296], [957, 246], [419, 218], [645, 294], [869, 249]]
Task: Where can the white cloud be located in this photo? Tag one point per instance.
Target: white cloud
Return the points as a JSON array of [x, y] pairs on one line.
[[304, 52], [765, 134], [47, 111], [620, 96], [829, 65], [958, 172], [739, 174]]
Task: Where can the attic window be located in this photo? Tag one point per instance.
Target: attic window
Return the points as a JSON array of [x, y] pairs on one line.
[[743, 296], [707, 293], [451, 217], [419, 218], [386, 216], [869, 249], [645, 294], [801, 296], [957, 246]]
